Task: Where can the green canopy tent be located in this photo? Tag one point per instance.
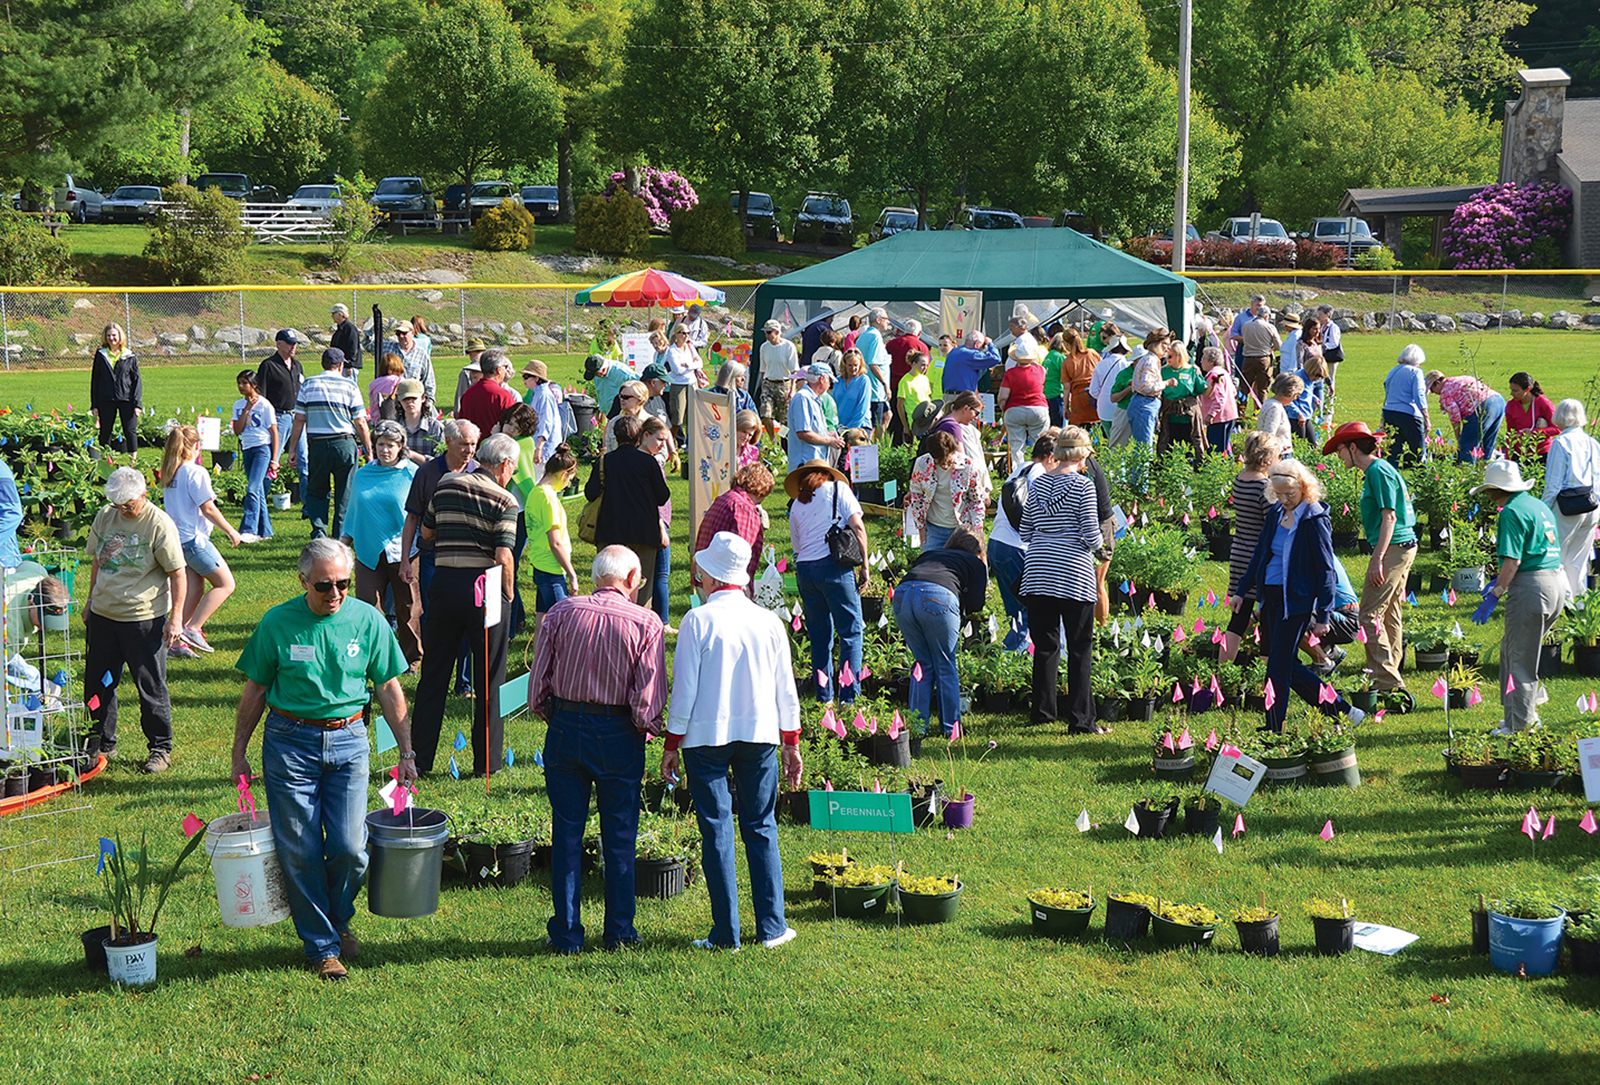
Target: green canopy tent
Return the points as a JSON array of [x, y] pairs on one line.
[[1053, 271]]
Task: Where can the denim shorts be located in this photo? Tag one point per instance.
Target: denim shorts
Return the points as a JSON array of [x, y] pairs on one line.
[[202, 558], [551, 588]]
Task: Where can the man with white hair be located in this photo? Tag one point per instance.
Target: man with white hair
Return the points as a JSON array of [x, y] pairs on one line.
[[809, 437], [778, 359], [346, 337], [414, 356], [333, 417], [306, 666], [472, 523], [872, 343], [965, 365], [734, 706], [599, 676], [134, 615]]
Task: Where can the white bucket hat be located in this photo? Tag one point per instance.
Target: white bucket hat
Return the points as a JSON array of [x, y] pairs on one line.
[[726, 558], [1503, 474]]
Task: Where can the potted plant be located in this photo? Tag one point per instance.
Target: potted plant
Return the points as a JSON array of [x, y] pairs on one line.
[[1460, 680], [1536, 758], [1583, 940], [1258, 930], [1184, 924], [1431, 641], [1582, 623], [1153, 816], [1359, 692], [860, 892], [960, 804], [664, 852], [1550, 651], [823, 865], [1342, 491], [1158, 561], [129, 880], [925, 790], [1128, 915], [1145, 680], [1334, 925], [1525, 932], [1202, 812], [1168, 760], [929, 900], [1284, 755], [1468, 554], [1479, 914], [1110, 690], [1255, 683], [1060, 913], [1480, 760], [1331, 751]]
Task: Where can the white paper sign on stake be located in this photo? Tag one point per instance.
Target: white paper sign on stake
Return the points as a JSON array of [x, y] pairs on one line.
[[1235, 777], [491, 596], [636, 350], [988, 407], [210, 427], [1589, 765], [864, 463]]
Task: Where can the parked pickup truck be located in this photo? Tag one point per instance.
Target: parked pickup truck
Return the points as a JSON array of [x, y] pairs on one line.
[[237, 186]]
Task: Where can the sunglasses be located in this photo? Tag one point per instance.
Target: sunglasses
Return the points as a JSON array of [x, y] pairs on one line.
[[128, 506], [325, 586]]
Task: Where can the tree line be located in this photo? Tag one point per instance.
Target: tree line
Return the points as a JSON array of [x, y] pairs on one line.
[[1040, 105]]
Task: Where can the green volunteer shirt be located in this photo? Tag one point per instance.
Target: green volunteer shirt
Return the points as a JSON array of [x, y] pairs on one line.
[[1526, 533], [318, 666], [1386, 489], [1052, 374], [1121, 384], [545, 511]]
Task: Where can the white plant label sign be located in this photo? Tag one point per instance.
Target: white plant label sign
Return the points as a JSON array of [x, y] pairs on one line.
[[1589, 765], [1235, 777]]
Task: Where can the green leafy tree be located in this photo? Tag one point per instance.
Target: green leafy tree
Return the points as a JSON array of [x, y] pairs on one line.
[[197, 238], [465, 96], [737, 91], [1371, 131], [280, 130], [29, 256], [340, 47]]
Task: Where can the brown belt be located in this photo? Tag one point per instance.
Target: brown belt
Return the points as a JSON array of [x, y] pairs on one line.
[[326, 725]]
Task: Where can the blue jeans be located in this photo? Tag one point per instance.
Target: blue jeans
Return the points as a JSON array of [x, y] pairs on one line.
[[930, 619], [1219, 436], [1143, 414], [1481, 428], [934, 537], [607, 751], [1057, 405], [302, 463], [1281, 636], [831, 603], [549, 589], [316, 784], [755, 772], [1005, 567], [333, 461], [255, 519], [658, 583]]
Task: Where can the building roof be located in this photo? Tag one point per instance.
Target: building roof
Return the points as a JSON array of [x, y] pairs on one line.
[[1580, 138], [1407, 201]]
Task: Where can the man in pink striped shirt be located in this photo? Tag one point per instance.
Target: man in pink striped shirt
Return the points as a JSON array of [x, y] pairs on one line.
[[599, 677]]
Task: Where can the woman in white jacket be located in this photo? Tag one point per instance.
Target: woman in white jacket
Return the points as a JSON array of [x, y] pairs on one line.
[[1574, 463]]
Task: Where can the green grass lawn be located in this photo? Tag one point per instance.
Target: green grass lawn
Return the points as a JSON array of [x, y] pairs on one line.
[[466, 994]]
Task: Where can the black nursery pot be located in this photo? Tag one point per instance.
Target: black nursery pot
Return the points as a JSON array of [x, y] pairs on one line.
[[1153, 823], [1549, 661], [1480, 933], [1142, 709], [1197, 822], [94, 948], [1335, 937], [1586, 659], [1259, 937], [1125, 921], [1585, 956], [880, 749], [799, 807], [871, 608], [515, 861]]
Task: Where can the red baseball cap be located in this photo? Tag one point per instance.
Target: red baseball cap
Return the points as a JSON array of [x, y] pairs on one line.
[[1347, 433]]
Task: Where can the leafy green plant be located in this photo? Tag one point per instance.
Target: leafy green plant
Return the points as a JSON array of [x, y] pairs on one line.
[[1213, 485], [1157, 559], [1583, 618], [1317, 908], [1461, 676], [1188, 915], [928, 886], [1519, 903], [710, 227], [667, 836], [1290, 743], [129, 880], [1467, 546], [1142, 900], [1585, 928], [1430, 636], [619, 226], [197, 238], [1341, 487], [1325, 736], [1534, 749], [1477, 749], [1253, 914], [29, 255], [859, 876], [1070, 900]]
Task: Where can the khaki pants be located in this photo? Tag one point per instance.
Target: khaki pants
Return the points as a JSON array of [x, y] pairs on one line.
[[1380, 616], [1533, 603], [1257, 371]]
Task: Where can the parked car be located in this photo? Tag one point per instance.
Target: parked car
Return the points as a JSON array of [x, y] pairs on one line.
[[1332, 231], [1267, 232], [760, 214], [543, 202], [894, 220], [989, 218], [455, 200], [486, 196], [130, 203], [1076, 220], [237, 186], [1190, 233], [81, 203], [404, 199], [824, 219], [324, 198]]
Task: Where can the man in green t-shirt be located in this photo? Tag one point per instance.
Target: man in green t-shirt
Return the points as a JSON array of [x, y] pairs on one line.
[[307, 666], [1390, 525], [1530, 558]]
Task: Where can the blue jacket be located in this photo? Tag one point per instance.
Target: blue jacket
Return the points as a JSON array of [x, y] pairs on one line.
[[1309, 583]]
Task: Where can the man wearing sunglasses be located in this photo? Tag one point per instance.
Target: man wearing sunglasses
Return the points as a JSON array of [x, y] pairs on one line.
[[307, 667], [417, 358]]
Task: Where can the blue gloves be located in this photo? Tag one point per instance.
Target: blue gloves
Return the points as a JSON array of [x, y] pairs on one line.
[[1485, 608]]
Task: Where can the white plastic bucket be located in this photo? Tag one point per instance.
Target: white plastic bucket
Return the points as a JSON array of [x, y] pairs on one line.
[[244, 862], [132, 966]]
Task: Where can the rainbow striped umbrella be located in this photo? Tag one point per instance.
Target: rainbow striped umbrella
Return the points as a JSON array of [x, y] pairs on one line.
[[649, 287]]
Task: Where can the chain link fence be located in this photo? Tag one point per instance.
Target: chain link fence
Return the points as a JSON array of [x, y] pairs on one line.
[[49, 329]]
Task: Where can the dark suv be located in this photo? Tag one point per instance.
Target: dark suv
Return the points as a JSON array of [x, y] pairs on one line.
[[404, 199], [825, 219], [760, 215]]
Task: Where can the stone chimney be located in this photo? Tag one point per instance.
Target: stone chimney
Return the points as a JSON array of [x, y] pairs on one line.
[[1531, 138]]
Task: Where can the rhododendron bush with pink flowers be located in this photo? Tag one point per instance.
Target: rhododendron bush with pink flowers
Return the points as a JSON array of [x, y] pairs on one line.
[[1510, 226], [664, 192]]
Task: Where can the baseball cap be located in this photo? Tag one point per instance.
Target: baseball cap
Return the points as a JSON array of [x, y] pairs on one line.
[[331, 357], [287, 335], [655, 371], [341, 308]]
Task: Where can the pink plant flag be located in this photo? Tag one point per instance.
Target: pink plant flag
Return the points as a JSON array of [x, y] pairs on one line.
[[1213, 513], [1549, 828], [1212, 741], [822, 678], [895, 725], [1185, 519], [796, 623], [1228, 749], [1440, 690], [1216, 635], [1177, 693], [877, 786], [1531, 823], [866, 672], [1184, 740], [1327, 830], [1167, 744], [1197, 686], [1594, 701], [783, 564], [916, 672], [192, 825], [1361, 634], [1313, 640], [860, 722], [1211, 598], [1377, 717], [1452, 597], [1216, 696], [1177, 634], [1199, 625], [1030, 647], [1511, 684], [1474, 698], [955, 731], [1325, 694], [1152, 600], [402, 796], [872, 726], [847, 677], [1588, 823], [1238, 825], [1256, 636], [1271, 695], [827, 784]]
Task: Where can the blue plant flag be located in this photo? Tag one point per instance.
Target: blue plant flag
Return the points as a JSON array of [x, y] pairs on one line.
[[461, 741], [455, 773], [538, 758], [511, 757], [107, 847]]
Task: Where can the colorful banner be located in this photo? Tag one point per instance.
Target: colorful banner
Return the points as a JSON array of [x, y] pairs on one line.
[[960, 311], [711, 448]]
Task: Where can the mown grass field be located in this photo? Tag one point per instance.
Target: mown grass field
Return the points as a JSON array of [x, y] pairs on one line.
[[467, 995]]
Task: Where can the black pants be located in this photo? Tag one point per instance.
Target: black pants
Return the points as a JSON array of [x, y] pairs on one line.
[[1405, 438], [130, 425], [1048, 619], [452, 617], [141, 646]]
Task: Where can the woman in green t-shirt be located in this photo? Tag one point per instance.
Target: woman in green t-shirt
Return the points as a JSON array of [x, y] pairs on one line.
[[549, 547], [1531, 582], [1180, 404]]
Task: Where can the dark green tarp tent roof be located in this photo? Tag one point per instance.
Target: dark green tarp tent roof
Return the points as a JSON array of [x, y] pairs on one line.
[[1034, 266]]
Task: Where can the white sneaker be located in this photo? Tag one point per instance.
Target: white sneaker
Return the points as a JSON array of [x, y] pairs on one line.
[[706, 943], [1356, 716], [789, 935], [1502, 730], [246, 538]]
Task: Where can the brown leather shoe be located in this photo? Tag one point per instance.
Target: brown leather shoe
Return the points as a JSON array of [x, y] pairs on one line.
[[349, 946], [330, 969]]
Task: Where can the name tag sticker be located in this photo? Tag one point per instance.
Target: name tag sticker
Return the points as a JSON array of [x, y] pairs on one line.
[[302, 653]]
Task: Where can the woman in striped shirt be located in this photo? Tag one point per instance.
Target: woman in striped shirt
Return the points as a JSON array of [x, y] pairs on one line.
[[1061, 527], [1249, 501]]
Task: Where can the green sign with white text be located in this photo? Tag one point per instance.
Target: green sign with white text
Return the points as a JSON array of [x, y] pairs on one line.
[[861, 811]]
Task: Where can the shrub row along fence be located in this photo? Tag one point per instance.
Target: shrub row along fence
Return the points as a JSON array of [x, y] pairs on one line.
[[60, 328]]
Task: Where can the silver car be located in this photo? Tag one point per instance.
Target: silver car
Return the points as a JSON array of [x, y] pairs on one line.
[[324, 198], [130, 203], [487, 195]]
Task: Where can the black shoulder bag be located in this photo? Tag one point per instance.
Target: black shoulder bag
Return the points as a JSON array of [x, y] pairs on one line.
[[843, 544]]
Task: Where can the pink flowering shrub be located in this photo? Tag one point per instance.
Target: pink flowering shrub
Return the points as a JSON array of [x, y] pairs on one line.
[[664, 193], [1509, 226]]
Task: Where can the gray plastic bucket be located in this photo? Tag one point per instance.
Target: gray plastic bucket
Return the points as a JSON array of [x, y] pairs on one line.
[[407, 857]]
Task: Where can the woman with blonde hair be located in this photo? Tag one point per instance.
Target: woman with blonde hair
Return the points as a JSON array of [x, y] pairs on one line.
[[1291, 574], [630, 404], [115, 389], [191, 502], [852, 392]]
